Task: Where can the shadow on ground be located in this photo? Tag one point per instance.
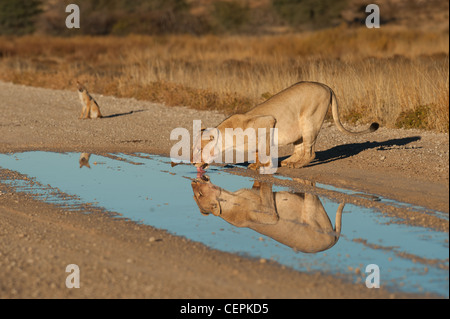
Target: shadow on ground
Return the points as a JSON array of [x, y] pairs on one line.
[[121, 114], [348, 150]]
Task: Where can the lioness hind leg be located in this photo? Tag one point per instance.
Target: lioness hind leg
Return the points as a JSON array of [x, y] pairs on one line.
[[309, 156], [296, 157], [303, 153], [309, 141]]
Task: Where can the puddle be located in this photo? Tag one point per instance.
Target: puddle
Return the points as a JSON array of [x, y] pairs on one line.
[[308, 232], [441, 215]]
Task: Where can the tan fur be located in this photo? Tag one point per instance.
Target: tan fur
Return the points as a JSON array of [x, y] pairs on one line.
[[90, 108], [297, 112], [84, 160], [296, 220]]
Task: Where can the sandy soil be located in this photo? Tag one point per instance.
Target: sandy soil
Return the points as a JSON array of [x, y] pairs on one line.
[[123, 259]]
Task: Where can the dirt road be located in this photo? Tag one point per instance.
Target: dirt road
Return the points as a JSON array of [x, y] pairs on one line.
[[120, 260]]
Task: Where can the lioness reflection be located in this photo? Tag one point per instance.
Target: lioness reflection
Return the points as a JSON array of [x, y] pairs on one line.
[[297, 220]]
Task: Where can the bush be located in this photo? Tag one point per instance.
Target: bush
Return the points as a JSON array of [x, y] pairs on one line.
[[17, 17], [122, 17], [417, 118], [310, 13], [229, 16]]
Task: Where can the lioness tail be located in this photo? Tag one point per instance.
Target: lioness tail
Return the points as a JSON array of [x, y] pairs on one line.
[[334, 108]]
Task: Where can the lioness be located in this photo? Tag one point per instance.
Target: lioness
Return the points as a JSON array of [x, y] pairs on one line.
[[296, 220], [297, 112]]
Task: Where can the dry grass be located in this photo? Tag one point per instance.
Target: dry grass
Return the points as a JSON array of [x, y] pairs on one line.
[[396, 77]]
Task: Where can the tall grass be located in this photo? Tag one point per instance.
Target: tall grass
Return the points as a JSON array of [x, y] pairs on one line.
[[397, 77]]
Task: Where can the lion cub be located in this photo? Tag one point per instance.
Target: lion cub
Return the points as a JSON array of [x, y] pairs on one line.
[[84, 160], [90, 108]]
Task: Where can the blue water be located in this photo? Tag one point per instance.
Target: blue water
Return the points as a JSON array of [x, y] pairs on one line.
[[156, 194]]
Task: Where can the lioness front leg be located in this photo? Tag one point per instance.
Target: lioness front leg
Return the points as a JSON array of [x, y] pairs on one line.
[[258, 164]]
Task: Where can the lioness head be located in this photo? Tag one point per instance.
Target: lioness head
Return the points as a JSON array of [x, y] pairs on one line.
[[238, 133], [204, 147], [206, 195]]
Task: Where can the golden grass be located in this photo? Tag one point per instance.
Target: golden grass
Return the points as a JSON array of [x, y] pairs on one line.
[[386, 75]]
